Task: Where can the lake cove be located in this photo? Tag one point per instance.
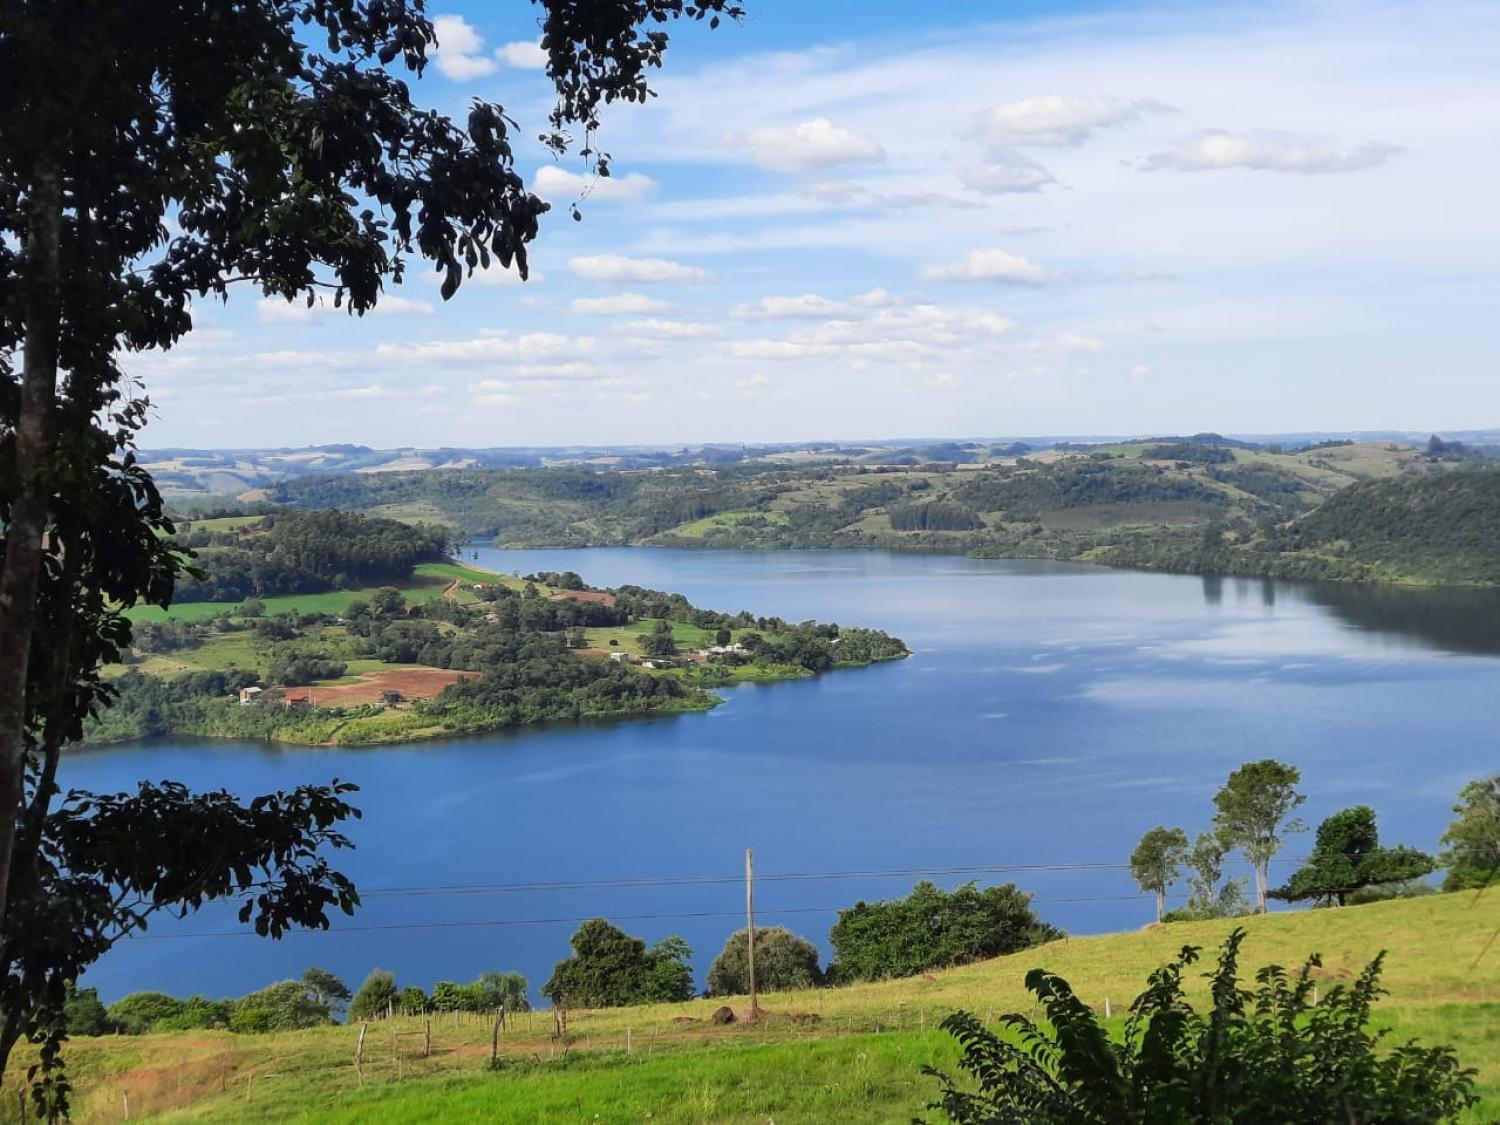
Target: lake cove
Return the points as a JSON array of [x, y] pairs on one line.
[[1049, 715]]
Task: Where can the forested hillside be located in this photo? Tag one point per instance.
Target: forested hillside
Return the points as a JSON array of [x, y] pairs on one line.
[[1340, 510], [304, 552]]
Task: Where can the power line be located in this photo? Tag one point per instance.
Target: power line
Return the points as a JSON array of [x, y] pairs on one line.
[[477, 923], [710, 880]]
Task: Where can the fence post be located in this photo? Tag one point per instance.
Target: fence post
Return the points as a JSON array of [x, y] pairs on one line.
[[359, 1053], [125, 1096], [426, 1039], [495, 1036], [629, 1046]]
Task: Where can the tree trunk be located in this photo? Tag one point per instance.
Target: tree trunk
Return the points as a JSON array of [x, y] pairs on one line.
[[34, 440], [1161, 902], [1262, 880]]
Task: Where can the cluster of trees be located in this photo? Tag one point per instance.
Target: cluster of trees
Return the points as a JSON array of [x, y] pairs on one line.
[[609, 969], [380, 995], [313, 999], [1347, 864], [305, 552], [1189, 452], [928, 929], [1025, 493], [939, 515]]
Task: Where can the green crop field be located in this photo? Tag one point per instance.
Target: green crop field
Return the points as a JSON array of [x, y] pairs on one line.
[[861, 1060]]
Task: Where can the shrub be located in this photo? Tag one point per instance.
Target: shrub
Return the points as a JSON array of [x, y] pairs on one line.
[[609, 968], [783, 962], [375, 997], [1265, 1055], [139, 1012], [931, 928]]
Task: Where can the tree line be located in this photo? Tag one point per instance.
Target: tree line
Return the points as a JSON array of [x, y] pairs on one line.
[[1348, 863]]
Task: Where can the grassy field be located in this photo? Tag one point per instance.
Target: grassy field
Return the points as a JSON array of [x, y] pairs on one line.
[[428, 580], [860, 1062], [698, 529]]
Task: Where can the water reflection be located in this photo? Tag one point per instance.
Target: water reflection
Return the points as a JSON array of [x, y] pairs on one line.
[[1457, 620]]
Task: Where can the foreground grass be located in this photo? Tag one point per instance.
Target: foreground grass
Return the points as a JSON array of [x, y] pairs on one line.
[[860, 1061]]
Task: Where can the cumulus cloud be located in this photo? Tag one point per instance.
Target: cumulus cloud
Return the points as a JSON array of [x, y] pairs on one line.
[[617, 270], [555, 184], [916, 334], [522, 55], [617, 305], [1216, 149], [810, 306], [989, 265], [458, 54], [528, 347], [671, 329], [274, 310], [818, 143], [1059, 121], [1005, 171]]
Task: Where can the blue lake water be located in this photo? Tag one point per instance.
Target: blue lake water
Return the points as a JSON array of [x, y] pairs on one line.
[[1049, 715]]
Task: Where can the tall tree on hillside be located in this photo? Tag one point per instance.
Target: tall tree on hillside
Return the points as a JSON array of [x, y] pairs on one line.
[[1251, 813], [1348, 857], [1157, 862], [153, 152]]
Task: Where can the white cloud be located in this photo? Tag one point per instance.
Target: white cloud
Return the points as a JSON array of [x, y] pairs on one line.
[[617, 270], [556, 184], [459, 51], [847, 193], [810, 306], [1005, 171], [619, 304], [818, 143], [989, 265], [1217, 149], [529, 346], [917, 335], [945, 381], [522, 55], [1058, 121], [672, 329], [274, 310], [1077, 342]]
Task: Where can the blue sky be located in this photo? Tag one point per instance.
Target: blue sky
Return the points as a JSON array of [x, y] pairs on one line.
[[959, 219]]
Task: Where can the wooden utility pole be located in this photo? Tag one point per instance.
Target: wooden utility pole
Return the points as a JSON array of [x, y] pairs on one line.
[[750, 930]]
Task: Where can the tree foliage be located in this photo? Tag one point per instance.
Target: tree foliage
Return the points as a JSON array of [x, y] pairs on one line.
[[1256, 1055], [1348, 857], [154, 154], [784, 962], [931, 928], [1251, 811], [609, 969], [1471, 845], [1157, 862]]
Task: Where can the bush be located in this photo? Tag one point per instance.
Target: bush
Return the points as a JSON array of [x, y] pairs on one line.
[[375, 997], [287, 1005], [784, 962], [83, 1012], [139, 1012], [609, 968], [1265, 1055], [931, 928]]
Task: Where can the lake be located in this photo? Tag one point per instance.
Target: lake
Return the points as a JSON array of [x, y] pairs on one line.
[[1050, 714]]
